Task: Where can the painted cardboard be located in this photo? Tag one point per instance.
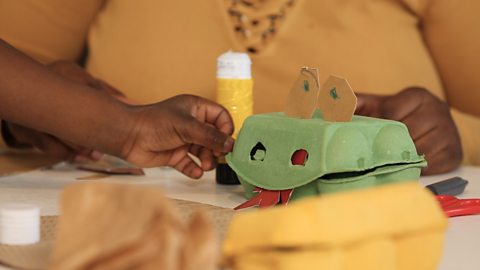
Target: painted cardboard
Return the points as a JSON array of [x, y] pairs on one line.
[[336, 100], [302, 98]]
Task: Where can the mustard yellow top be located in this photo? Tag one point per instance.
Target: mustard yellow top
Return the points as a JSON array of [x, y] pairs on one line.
[[153, 49]]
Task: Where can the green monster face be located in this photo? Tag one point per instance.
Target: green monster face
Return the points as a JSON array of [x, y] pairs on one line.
[[275, 153]]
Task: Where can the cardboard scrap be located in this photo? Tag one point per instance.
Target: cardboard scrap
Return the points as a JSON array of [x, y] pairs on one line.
[[110, 165], [336, 100], [303, 95], [114, 226]]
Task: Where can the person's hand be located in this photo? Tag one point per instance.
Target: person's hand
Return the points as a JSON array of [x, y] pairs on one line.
[[74, 72], [167, 132], [428, 120], [23, 137]]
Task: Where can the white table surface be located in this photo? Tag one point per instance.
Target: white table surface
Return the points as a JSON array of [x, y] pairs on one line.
[[42, 187]]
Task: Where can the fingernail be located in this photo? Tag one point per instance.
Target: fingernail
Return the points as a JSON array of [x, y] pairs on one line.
[[95, 155], [206, 164], [196, 173], [80, 158], [228, 145]]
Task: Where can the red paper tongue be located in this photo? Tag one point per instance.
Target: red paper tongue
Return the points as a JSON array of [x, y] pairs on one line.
[[266, 198], [299, 157]]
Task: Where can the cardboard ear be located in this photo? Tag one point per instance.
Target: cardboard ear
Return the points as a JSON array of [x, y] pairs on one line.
[[303, 95], [336, 100]]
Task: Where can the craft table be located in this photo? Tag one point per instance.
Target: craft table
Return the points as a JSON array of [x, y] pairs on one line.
[[42, 187]]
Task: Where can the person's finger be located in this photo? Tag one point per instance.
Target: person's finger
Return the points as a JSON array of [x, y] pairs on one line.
[[54, 147], [188, 167], [217, 153], [174, 156], [42, 141], [207, 159], [195, 132], [425, 146], [369, 105], [403, 104], [205, 156], [92, 155], [214, 114], [442, 149], [84, 154], [431, 151], [440, 163], [417, 125], [361, 103], [195, 149], [81, 158], [79, 75], [95, 155]]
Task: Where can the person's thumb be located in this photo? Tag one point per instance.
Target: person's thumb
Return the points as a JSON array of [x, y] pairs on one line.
[[369, 105], [207, 136]]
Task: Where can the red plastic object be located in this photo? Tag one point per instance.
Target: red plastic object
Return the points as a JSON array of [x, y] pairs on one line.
[[452, 206], [300, 157], [266, 198]]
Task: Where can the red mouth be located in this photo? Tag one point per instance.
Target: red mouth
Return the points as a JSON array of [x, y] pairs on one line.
[[267, 198]]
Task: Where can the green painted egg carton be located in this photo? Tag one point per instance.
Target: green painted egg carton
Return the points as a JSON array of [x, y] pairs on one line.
[[313, 156]]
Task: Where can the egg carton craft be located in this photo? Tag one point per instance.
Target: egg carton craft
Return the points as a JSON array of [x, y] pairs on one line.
[[317, 146]]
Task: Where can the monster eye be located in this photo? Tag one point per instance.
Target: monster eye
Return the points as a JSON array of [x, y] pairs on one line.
[[258, 152], [299, 157]]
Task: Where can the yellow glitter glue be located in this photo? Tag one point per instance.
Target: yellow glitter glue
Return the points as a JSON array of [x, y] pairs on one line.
[[234, 92], [235, 86]]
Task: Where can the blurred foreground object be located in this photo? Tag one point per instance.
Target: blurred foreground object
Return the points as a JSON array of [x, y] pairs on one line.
[[19, 224], [397, 226], [113, 226]]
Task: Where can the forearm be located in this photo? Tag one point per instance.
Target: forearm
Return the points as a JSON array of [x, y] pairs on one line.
[[33, 96]]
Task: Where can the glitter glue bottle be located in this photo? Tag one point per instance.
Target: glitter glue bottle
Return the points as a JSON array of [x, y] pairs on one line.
[[234, 92]]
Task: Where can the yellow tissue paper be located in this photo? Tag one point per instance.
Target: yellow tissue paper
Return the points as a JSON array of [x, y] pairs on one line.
[[398, 227]]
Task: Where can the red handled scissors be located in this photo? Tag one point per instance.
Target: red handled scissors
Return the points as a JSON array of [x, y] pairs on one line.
[[452, 206]]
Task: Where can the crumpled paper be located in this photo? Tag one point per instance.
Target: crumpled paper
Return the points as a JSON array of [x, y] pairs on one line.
[[116, 226]]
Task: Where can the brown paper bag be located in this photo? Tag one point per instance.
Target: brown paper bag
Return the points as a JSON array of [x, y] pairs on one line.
[[113, 226], [36, 256]]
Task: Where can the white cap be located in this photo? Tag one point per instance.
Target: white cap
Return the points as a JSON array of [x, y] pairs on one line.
[[234, 65], [19, 224]]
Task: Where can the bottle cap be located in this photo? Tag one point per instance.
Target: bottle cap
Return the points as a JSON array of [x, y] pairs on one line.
[[225, 175], [19, 224], [234, 65]]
